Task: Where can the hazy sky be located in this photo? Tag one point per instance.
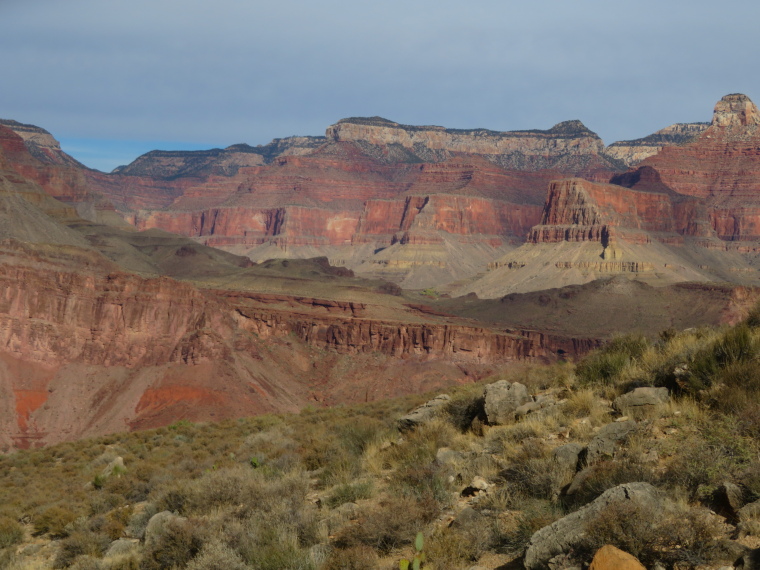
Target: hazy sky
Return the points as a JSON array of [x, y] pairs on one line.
[[112, 79]]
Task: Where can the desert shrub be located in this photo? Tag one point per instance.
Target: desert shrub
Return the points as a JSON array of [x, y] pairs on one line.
[[7, 558], [533, 472], [81, 543], [729, 452], [601, 367], [54, 520], [353, 558], [752, 320], [102, 502], [178, 543], [606, 475], [463, 410], [423, 482], [651, 535], [458, 546], [217, 556], [705, 366], [11, 532], [349, 493], [138, 521], [604, 366], [129, 561], [391, 524], [86, 562], [512, 538], [268, 543]]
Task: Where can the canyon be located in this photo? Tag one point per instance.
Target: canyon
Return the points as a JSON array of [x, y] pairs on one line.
[[378, 260]]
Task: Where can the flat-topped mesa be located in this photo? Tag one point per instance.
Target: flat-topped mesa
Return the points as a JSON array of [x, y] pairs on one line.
[[524, 150], [735, 110], [632, 152]]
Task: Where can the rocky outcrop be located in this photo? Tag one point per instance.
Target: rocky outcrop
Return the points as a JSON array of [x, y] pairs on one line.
[[569, 531], [424, 413], [502, 399], [59, 178], [610, 558], [41, 144], [634, 151], [641, 398]]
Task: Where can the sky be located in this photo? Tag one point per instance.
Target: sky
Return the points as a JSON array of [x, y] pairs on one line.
[[113, 79]]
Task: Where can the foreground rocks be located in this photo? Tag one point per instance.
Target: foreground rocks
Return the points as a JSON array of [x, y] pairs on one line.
[[502, 399], [610, 558], [569, 531]]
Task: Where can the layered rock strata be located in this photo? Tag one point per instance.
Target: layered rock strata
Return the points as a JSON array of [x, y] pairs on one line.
[[721, 167], [634, 151]]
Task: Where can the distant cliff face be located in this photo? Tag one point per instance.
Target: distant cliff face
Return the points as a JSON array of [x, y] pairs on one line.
[[568, 146], [634, 151], [41, 144], [165, 164], [721, 167]]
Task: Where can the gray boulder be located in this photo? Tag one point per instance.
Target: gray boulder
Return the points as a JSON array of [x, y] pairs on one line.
[[640, 398], [749, 511], [423, 413], [608, 438], [568, 532], [157, 526], [502, 399], [122, 546], [566, 458]]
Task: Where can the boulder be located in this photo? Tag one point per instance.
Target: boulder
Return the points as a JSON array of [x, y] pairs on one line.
[[122, 546], [447, 456], [606, 441], [423, 413], [727, 501], [749, 511], [569, 531], [610, 558], [157, 527], [750, 561], [467, 518], [566, 458], [641, 398], [502, 399]]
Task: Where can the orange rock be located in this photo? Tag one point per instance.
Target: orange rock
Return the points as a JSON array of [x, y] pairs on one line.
[[610, 558]]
